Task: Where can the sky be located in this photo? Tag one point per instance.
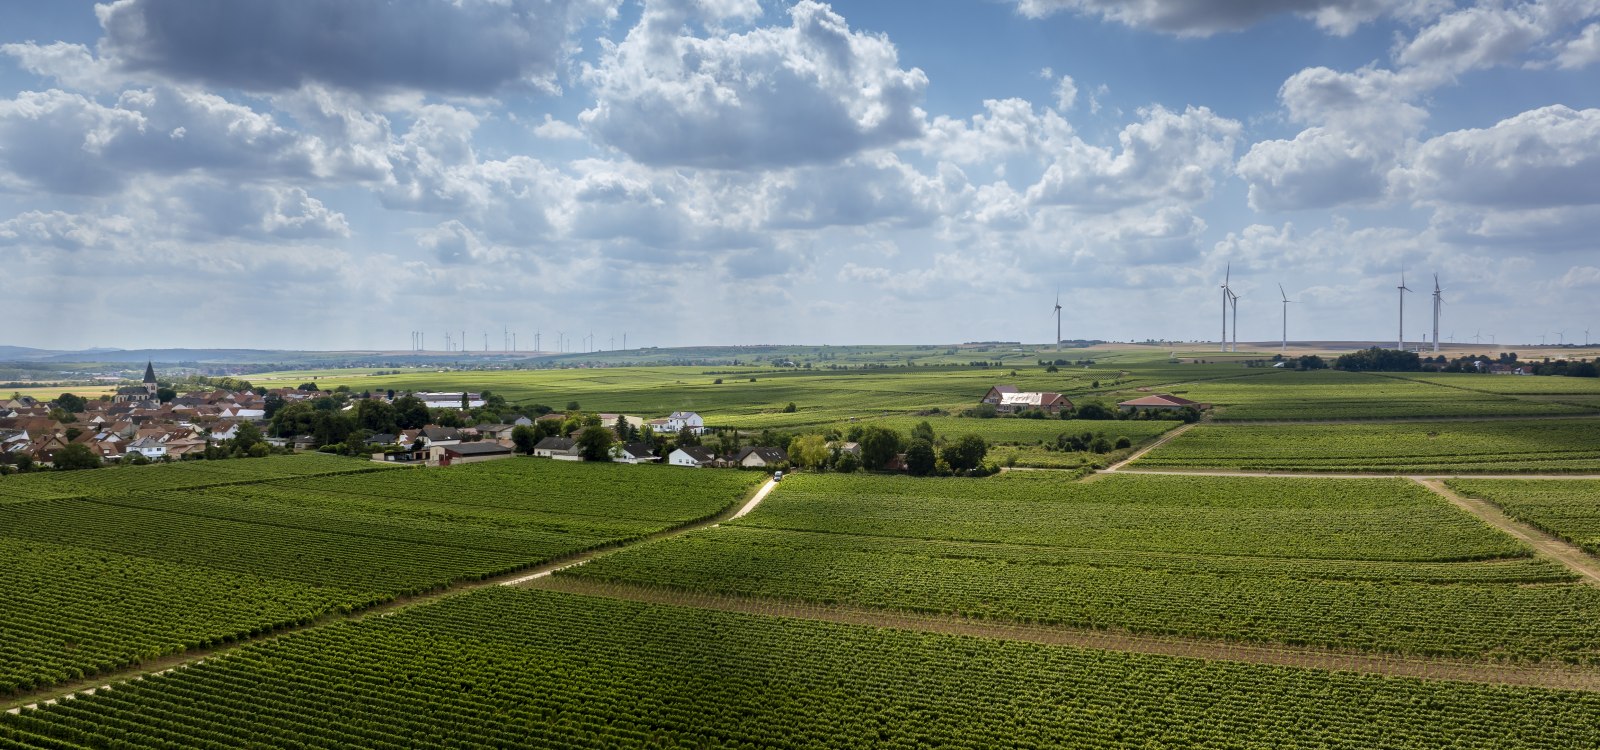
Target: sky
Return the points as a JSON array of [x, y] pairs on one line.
[[334, 174]]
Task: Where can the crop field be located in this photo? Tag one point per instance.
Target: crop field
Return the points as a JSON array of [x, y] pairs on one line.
[[1567, 508], [1497, 446], [114, 578], [1331, 395], [175, 476], [1379, 565], [1013, 431], [502, 667], [820, 396]]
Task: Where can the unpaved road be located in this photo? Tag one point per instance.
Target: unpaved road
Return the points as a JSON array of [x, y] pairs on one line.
[[1573, 558]]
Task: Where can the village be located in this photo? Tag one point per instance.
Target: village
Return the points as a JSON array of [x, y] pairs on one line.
[[149, 422]]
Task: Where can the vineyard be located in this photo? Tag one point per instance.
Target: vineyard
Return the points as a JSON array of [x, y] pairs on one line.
[[505, 667], [187, 569], [176, 476], [1333, 395], [1569, 509], [1499, 446], [1379, 565]]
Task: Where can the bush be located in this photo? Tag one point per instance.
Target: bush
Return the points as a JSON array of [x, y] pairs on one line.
[[1100, 445], [1124, 442]]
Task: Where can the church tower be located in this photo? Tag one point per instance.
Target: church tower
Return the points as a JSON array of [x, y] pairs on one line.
[[150, 378]]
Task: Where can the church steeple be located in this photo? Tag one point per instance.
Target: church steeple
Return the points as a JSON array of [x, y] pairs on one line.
[[150, 372]]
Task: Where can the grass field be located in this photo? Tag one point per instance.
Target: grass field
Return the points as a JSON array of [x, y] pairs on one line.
[[119, 573], [176, 476], [1569, 509], [1379, 565], [1494, 446], [505, 667]]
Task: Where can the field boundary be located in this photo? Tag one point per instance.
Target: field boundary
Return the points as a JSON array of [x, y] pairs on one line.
[[1549, 545], [1551, 675], [522, 574]]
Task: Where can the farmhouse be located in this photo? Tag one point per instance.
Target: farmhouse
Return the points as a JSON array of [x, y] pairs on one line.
[[1159, 402], [694, 456], [450, 400], [760, 457], [634, 453], [1007, 399], [466, 453], [556, 447], [677, 422]]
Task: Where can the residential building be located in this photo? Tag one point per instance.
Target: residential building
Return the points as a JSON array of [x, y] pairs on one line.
[[761, 457], [466, 453], [634, 453], [1159, 402], [1006, 399], [556, 447], [694, 456]]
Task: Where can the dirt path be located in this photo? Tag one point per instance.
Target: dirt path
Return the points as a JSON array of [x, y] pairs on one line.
[[1138, 454], [160, 665], [1573, 558], [1318, 475], [1404, 420], [1555, 676]]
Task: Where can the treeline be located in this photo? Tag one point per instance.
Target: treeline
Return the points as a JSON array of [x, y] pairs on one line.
[[1393, 360]]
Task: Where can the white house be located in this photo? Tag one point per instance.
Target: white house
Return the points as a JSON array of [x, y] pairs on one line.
[[150, 447], [678, 420], [633, 453], [694, 456], [224, 431], [557, 447]]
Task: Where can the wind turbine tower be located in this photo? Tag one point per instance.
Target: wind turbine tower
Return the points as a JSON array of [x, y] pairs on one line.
[[1438, 304], [1227, 293], [1058, 317], [1401, 341], [1285, 295]]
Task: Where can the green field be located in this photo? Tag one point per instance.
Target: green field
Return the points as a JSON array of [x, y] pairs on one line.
[[1378, 564], [120, 574], [1490, 446], [176, 476], [1332, 395], [506, 667], [1569, 509]]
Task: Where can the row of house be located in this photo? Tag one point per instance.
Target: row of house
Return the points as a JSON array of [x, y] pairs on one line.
[[691, 456]]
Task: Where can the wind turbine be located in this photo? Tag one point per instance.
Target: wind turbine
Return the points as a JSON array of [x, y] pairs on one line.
[[1226, 293], [1058, 317], [1561, 338], [1438, 304], [1401, 342], [1585, 337], [1233, 300], [1477, 338], [1285, 345]]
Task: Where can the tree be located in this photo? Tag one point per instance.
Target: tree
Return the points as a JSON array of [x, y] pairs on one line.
[[1093, 410], [71, 403], [259, 450], [247, 436], [573, 406], [846, 463], [293, 419], [73, 433], [966, 453], [76, 456], [878, 446], [808, 451], [923, 431], [920, 458], [1100, 445], [375, 415], [165, 395], [594, 444], [1123, 442], [307, 387], [790, 409], [525, 436], [687, 437], [24, 462], [410, 412], [274, 402]]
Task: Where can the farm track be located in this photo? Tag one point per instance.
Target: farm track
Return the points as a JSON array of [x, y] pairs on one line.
[[1572, 557], [1407, 420], [1551, 676], [1138, 454], [87, 686]]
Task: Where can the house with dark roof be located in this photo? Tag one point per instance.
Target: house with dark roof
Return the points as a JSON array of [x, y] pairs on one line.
[[694, 456], [761, 457], [634, 453], [565, 449]]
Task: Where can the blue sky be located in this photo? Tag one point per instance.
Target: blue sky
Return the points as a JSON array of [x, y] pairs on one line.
[[337, 173]]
